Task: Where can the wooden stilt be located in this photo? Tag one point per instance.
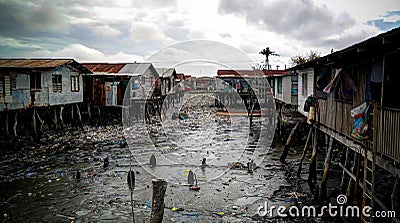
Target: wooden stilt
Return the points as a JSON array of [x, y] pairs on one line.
[[61, 117], [78, 113], [313, 162], [89, 110], [303, 155], [324, 181], [395, 196], [72, 113], [40, 122], [344, 174], [350, 185], [55, 118], [287, 144], [157, 210], [357, 173], [15, 124], [34, 121], [7, 132]]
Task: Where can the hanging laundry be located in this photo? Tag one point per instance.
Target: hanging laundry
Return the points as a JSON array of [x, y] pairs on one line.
[[332, 85]]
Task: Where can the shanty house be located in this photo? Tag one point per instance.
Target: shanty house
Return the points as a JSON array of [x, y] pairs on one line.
[[40, 82], [110, 83], [167, 79]]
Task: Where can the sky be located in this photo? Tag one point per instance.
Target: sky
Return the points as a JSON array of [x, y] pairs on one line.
[[196, 37]]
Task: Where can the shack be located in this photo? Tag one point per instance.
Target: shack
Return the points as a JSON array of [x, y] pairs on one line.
[[36, 83], [354, 92]]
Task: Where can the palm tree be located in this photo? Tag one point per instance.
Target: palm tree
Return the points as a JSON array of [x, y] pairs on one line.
[[267, 52]]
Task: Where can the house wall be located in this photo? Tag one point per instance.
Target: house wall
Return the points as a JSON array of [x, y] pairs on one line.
[[302, 96], [21, 94], [287, 89]]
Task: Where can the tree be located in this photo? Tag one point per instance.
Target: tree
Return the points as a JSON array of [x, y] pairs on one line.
[[300, 59], [267, 52]]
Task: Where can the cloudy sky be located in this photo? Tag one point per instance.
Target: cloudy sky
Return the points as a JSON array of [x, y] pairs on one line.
[[138, 30]]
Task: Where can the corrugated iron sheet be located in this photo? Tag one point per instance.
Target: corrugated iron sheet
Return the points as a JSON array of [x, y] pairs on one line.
[[33, 63], [104, 67]]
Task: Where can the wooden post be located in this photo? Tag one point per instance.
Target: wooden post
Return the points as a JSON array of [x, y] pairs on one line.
[[55, 117], [323, 190], [61, 117], [78, 112], [313, 162], [34, 121], [72, 113], [287, 144], [15, 124], [157, 210], [395, 196], [344, 174], [6, 124], [350, 185], [89, 111], [357, 173], [40, 122], [303, 155]]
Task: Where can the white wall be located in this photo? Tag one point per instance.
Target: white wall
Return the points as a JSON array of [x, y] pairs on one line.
[[302, 96]]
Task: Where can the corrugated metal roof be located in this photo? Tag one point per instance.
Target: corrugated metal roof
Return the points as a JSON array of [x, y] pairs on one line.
[[104, 67], [14, 63], [166, 72], [33, 63], [136, 68]]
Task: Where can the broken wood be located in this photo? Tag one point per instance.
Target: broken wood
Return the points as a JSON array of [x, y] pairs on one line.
[[287, 144], [303, 155], [323, 189], [157, 208]]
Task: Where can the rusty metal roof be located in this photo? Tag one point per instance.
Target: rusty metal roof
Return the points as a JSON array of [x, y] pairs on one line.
[[104, 67], [32, 63], [39, 64]]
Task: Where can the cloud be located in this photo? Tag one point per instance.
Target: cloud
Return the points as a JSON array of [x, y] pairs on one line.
[[28, 19], [147, 31], [298, 20]]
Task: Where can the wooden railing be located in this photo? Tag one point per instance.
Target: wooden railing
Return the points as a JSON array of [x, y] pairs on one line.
[[387, 132]]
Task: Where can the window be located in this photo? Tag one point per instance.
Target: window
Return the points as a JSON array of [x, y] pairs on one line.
[[142, 81], [304, 85], [75, 83], [294, 85], [5, 86], [57, 83], [36, 81]]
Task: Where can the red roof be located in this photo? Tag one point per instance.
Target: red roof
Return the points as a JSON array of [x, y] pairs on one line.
[[180, 76], [104, 67], [241, 73]]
